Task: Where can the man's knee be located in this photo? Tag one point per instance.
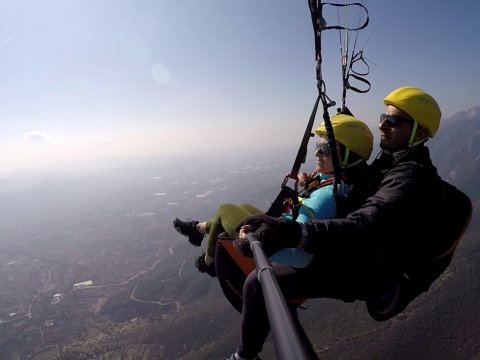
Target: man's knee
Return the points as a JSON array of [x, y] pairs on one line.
[[252, 284]]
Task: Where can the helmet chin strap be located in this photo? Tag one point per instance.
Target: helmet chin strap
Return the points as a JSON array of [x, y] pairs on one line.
[[345, 164], [411, 143], [413, 134]]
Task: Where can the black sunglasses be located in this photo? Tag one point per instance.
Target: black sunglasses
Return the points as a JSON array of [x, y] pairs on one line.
[[323, 149], [393, 120]]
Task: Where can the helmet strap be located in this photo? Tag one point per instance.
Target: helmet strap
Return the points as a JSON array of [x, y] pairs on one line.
[[345, 164], [412, 143], [412, 135], [353, 164], [345, 158]]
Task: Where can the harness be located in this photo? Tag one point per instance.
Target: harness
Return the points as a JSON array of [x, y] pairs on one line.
[[403, 287], [310, 187]]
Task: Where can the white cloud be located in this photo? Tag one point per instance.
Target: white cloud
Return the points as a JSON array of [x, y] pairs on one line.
[[7, 40], [36, 136]]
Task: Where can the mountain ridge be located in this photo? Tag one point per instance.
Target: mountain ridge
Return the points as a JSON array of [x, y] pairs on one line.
[[470, 114]]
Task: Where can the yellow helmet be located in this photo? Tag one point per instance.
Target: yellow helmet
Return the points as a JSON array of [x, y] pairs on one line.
[[351, 132], [419, 105]]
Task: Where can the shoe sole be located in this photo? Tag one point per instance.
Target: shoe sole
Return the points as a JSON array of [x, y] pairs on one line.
[[196, 243]]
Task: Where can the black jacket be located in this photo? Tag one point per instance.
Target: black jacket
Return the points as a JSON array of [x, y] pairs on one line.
[[395, 230]]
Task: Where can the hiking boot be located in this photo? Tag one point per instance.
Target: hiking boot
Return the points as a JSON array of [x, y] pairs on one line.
[[202, 266], [188, 228]]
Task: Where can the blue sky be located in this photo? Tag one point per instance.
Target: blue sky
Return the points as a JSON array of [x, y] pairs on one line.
[[86, 79]]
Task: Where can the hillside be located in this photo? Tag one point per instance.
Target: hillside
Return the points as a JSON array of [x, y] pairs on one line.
[[147, 301]]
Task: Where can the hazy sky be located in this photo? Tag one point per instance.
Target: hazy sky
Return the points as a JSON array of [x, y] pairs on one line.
[[81, 79]]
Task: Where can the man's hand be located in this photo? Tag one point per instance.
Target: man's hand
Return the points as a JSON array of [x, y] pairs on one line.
[[274, 234], [242, 244]]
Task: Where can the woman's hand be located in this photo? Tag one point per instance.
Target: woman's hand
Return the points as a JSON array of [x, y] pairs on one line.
[[305, 178]]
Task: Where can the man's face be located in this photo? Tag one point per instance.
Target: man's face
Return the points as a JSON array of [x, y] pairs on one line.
[[395, 131]]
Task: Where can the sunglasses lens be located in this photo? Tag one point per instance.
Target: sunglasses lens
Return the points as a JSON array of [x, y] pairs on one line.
[[393, 120], [323, 149]]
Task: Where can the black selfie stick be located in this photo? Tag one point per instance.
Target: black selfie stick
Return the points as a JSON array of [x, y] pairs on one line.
[[291, 342]]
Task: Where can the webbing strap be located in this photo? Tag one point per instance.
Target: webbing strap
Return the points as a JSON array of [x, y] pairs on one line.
[[302, 151], [319, 24], [276, 207]]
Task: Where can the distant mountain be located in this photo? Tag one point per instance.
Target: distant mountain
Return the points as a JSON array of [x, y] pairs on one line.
[[456, 152], [473, 113]]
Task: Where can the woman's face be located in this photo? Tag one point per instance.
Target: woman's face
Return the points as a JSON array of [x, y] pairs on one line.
[[323, 154]]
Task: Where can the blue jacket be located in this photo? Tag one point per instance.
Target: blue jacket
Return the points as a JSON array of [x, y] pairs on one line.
[[319, 205]]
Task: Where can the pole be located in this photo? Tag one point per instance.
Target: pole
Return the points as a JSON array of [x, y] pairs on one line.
[[291, 342]]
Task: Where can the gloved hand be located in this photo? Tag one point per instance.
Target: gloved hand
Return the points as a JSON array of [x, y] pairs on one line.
[[243, 246], [273, 233]]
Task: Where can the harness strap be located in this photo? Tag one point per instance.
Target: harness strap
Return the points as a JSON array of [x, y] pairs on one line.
[[302, 151], [319, 24], [309, 189], [315, 184]]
